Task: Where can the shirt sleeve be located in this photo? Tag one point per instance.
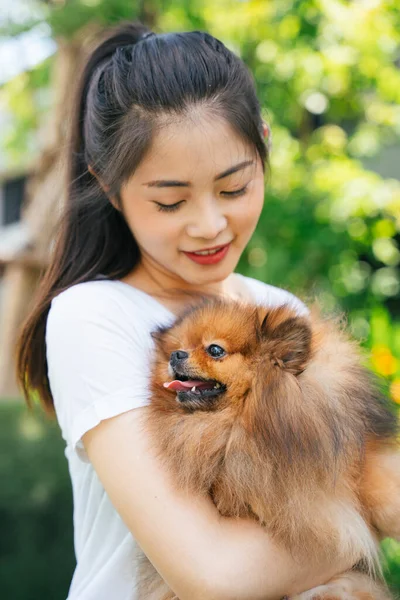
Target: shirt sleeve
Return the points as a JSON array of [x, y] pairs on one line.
[[98, 359], [295, 303], [273, 296]]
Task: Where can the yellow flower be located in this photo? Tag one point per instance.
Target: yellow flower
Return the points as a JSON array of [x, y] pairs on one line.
[[395, 390], [383, 360]]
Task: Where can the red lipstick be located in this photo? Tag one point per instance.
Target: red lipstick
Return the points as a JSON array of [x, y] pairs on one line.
[[209, 259]]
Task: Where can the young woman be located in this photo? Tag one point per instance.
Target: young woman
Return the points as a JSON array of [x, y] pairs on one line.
[[167, 166]]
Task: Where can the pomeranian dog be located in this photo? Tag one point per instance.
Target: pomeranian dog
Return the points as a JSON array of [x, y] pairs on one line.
[[275, 417]]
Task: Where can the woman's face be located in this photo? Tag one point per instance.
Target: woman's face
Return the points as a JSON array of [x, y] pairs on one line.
[[198, 187]]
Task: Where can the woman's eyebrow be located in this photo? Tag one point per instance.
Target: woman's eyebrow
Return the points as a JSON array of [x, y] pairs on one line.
[[160, 183]]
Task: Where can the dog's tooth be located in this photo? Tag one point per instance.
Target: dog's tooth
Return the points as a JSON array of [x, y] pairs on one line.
[[217, 385], [193, 389]]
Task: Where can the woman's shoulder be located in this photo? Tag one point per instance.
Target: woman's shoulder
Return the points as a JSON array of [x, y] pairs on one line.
[[98, 350], [104, 305], [101, 296], [93, 293], [271, 295]]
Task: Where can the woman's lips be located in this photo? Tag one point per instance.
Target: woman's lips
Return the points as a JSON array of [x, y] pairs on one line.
[[209, 259]]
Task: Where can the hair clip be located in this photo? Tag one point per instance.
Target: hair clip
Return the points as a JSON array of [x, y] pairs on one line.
[[267, 135], [146, 35]]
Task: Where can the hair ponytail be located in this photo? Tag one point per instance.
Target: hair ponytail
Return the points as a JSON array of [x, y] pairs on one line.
[[89, 221], [130, 79]]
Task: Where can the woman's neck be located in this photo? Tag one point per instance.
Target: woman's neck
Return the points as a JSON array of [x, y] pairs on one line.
[[176, 298]]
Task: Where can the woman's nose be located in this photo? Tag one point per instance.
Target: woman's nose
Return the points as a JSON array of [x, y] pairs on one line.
[[208, 223]]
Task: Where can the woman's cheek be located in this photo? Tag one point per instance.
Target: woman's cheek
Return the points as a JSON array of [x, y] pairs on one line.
[[252, 209]]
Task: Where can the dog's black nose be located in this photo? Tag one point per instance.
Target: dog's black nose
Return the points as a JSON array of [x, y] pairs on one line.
[[178, 355]]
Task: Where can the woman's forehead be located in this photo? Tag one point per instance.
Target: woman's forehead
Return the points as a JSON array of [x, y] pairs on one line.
[[188, 148]]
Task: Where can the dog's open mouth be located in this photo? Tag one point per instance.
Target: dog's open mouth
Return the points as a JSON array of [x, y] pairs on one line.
[[187, 387]]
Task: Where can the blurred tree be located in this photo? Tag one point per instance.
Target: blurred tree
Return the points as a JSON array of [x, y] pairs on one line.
[[73, 31], [327, 73], [328, 77]]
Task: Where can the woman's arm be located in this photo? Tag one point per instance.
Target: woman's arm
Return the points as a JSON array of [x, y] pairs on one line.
[[201, 555]]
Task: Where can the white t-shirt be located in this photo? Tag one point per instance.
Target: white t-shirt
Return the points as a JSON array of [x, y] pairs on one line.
[[98, 350]]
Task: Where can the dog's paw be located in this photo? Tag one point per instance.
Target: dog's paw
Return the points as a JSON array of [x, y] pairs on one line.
[[352, 586], [333, 592], [328, 592]]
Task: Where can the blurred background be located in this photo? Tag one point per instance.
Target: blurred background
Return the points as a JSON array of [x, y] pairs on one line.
[[328, 77]]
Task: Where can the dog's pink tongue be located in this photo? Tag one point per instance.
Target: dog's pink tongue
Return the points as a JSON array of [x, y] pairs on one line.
[[181, 386]]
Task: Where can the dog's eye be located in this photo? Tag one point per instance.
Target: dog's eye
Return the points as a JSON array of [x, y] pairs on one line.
[[215, 351]]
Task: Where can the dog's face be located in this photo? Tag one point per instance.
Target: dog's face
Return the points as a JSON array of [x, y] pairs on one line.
[[214, 353]]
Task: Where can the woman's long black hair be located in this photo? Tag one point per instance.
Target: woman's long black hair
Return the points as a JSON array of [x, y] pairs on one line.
[[132, 80]]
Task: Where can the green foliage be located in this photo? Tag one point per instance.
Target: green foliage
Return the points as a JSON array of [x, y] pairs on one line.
[[70, 16], [27, 97], [328, 79], [391, 556], [36, 545]]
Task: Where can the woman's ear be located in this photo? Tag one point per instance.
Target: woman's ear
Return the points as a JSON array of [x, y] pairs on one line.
[[106, 189], [266, 130]]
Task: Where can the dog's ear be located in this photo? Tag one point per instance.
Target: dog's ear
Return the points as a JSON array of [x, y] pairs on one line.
[[286, 337], [158, 334], [166, 340], [162, 339]]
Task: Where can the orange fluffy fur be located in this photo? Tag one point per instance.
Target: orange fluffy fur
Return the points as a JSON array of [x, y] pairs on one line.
[[301, 439]]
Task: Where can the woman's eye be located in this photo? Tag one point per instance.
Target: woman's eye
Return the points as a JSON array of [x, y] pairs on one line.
[[215, 351], [173, 207], [240, 192], [168, 207]]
